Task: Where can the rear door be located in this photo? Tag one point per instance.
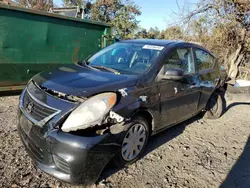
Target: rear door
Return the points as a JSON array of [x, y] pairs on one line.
[[179, 99], [208, 74]]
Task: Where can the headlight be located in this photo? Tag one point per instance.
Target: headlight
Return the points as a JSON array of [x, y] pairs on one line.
[[90, 112]]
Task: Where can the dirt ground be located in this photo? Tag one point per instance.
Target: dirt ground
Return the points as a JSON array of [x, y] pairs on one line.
[[197, 153]]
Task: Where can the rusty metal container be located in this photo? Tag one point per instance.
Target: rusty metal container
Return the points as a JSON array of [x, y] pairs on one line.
[[32, 41]]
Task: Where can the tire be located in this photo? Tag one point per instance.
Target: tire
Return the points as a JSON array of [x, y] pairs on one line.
[[215, 106], [120, 159]]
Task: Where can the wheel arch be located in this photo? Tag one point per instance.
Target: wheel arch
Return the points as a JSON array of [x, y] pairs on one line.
[[148, 115]]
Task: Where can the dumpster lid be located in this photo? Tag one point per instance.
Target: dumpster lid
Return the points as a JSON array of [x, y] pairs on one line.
[[31, 11]]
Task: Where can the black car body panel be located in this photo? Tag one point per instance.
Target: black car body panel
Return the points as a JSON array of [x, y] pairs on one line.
[[79, 157], [74, 159], [71, 80]]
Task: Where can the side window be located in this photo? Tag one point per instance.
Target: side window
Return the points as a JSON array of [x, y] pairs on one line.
[[204, 60], [182, 58]]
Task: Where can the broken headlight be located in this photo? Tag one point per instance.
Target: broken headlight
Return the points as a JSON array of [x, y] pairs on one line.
[[90, 112]]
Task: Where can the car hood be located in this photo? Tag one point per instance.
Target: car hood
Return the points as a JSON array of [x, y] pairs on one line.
[[82, 81]]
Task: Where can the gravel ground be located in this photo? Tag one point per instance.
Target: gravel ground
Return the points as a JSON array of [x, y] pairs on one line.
[[197, 153]]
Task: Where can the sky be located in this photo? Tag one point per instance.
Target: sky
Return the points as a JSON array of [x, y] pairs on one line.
[[158, 13], [161, 13]]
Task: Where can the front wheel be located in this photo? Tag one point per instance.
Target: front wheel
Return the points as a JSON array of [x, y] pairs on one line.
[[133, 142], [215, 106]]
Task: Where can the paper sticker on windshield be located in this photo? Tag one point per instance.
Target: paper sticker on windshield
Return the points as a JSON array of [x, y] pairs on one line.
[[152, 47]]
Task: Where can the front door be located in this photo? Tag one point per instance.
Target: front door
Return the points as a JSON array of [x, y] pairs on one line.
[[179, 99]]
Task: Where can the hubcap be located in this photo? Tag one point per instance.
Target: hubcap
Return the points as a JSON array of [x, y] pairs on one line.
[[133, 142]]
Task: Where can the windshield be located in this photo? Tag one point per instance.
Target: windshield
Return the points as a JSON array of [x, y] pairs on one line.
[[126, 58]]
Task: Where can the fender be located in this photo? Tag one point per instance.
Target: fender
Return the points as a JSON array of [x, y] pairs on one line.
[[140, 106]]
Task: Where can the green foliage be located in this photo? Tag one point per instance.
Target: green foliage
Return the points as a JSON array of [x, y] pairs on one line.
[[141, 33], [119, 13], [74, 2], [152, 33], [43, 5], [171, 33]]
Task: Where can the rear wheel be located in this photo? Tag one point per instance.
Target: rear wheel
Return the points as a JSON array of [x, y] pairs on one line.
[[133, 142], [215, 106]]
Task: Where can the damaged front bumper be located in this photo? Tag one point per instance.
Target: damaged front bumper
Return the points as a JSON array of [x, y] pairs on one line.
[[73, 159], [77, 157]]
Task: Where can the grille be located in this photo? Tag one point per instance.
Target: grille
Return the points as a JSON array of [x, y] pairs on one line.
[[34, 109], [32, 148], [61, 164], [36, 136]]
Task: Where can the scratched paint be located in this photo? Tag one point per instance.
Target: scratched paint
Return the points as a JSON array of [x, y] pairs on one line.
[[51, 41]]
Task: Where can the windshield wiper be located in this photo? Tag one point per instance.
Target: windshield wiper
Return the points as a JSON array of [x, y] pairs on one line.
[[106, 68], [82, 63], [85, 63]]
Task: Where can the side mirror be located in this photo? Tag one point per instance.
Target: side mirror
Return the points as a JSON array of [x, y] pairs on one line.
[[173, 74]]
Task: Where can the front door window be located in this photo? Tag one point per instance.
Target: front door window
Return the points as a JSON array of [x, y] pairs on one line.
[[182, 58]]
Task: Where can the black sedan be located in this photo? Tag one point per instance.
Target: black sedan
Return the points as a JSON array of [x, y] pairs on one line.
[[74, 119]]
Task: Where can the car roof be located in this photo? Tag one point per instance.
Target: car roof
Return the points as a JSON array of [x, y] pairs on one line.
[[152, 41], [161, 42]]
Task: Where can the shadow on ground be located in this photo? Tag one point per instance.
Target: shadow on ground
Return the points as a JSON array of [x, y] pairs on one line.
[[239, 175], [9, 93], [235, 104]]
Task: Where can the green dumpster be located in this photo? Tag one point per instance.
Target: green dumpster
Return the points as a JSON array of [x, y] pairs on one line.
[[32, 41]]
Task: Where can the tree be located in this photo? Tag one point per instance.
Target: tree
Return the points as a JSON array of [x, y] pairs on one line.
[[75, 2], [172, 33], [141, 33], [223, 26], [119, 13], [8, 2], [154, 33], [43, 5]]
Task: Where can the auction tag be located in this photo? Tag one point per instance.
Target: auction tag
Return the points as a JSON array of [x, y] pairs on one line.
[[153, 47]]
